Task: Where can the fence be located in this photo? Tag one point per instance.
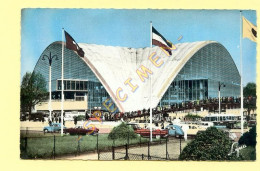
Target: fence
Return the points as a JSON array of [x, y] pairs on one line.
[[53, 146], [163, 149]]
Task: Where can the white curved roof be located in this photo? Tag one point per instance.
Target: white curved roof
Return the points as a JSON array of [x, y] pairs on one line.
[[114, 65]]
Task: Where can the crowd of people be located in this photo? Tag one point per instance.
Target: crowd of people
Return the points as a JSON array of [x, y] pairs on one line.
[[56, 118], [161, 113]]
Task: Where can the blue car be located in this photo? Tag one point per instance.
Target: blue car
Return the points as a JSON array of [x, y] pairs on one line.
[[55, 127], [174, 130]]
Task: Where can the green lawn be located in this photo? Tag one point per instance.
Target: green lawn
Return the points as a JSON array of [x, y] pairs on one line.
[[42, 147]]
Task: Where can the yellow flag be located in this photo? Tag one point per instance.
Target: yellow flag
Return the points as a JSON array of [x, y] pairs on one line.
[[249, 30]]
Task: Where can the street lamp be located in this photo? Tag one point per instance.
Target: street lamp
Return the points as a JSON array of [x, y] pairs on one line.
[[50, 62], [219, 86]]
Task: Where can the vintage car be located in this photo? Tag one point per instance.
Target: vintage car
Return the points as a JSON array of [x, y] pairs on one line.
[[252, 123], [155, 132], [174, 130], [80, 130], [38, 116], [194, 129], [54, 127]]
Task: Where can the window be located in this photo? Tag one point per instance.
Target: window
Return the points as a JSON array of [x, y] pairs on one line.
[[77, 85], [85, 85], [68, 85], [64, 84], [72, 85], [81, 85], [59, 85]]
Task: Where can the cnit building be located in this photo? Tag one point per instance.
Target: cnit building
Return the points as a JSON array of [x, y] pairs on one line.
[[129, 79]]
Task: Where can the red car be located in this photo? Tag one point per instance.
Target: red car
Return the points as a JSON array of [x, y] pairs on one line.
[[155, 132], [81, 131]]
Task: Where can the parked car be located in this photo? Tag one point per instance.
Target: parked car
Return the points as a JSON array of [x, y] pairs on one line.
[[39, 116], [194, 129], [251, 123], [24, 116], [54, 127], [81, 131], [155, 132], [174, 130]]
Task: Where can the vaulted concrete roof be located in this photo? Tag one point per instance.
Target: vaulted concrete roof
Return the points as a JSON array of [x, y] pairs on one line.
[[114, 65]]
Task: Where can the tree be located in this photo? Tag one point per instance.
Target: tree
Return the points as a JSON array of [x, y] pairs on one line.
[[192, 117], [249, 138], [33, 91], [212, 144], [249, 92]]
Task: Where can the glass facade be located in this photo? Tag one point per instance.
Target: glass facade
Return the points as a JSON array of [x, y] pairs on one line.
[[197, 80], [79, 80], [200, 76]]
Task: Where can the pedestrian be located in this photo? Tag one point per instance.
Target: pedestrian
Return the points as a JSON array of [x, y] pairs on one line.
[[86, 116], [75, 120], [49, 121], [56, 119], [162, 125]]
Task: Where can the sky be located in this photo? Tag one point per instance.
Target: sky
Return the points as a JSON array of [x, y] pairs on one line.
[[131, 28]]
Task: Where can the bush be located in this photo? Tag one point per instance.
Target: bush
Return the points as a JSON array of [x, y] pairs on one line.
[[192, 117], [249, 138], [81, 117], [212, 144], [122, 131]]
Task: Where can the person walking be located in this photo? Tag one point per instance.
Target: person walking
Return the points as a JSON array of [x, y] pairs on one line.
[[162, 125], [49, 120], [75, 120], [56, 119]]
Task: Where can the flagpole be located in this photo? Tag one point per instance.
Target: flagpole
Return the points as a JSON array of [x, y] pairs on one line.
[[151, 110], [241, 71], [62, 86]]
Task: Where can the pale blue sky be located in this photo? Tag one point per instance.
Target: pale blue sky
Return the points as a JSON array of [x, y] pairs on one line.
[[131, 28]]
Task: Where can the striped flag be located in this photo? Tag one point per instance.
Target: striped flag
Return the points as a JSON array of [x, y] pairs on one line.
[[72, 45], [159, 40]]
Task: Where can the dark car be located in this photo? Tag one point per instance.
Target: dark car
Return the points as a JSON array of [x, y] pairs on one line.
[[252, 123], [23, 116], [39, 116], [81, 131]]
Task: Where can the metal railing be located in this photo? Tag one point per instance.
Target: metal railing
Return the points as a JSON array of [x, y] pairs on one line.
[[53, 146]]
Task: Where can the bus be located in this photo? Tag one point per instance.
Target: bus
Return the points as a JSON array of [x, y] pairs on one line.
[[228, 120]]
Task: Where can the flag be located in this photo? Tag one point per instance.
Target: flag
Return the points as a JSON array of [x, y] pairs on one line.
[[159, 40], [71, 44], [249, 30]]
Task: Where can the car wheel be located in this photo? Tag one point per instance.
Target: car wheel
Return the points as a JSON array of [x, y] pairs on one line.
[[45, 131]]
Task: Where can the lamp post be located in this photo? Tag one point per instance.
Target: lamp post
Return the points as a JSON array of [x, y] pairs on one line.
[[219, 86], [50, 62]]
